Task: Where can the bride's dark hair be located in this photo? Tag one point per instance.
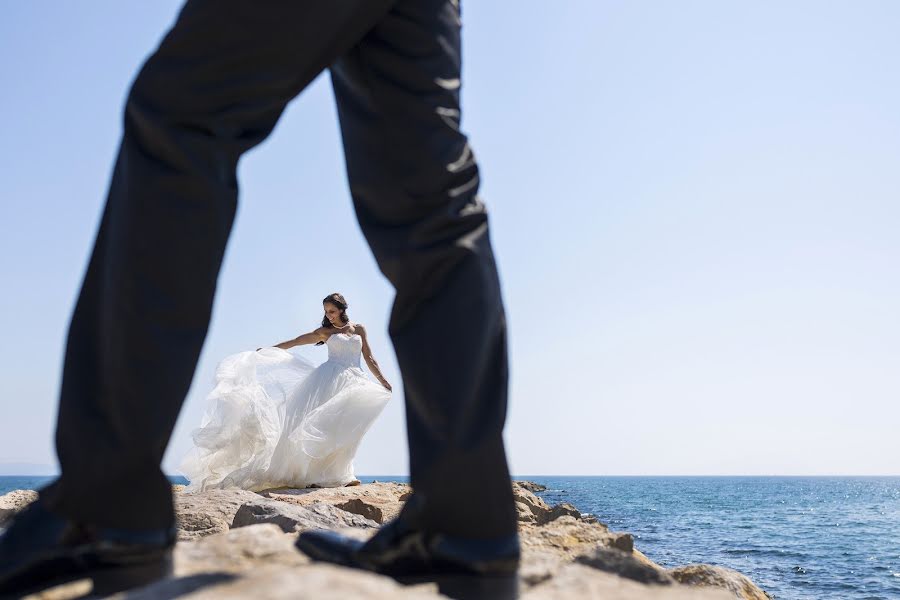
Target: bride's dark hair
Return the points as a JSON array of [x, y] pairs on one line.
[[339, 301]]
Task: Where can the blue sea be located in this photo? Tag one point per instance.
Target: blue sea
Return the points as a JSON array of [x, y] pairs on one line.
[[798, 538]]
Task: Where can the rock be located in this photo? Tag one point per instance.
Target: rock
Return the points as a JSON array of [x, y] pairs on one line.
[[531, 486], [317, 581], [379, 502], [292, 518], [562, 510], [359, 507], [624, 564], [738, 585], [525, 513], [235, 544], [238, 550], [546, 548], [623, 542], [532, 509], [206, 513], [566, 538], [15, 501], [580, 582], [538, 566], [641, 557]]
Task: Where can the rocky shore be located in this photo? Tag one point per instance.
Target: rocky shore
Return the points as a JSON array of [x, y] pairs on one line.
[[239, 544]]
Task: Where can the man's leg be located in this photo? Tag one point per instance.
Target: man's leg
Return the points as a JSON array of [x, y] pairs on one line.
[[213, 89], [414, 183]]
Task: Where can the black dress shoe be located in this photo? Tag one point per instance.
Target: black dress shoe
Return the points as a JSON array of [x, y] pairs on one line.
[[462, 567], [41, 549]]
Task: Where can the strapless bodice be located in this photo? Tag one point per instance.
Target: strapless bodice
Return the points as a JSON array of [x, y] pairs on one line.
[[345, 349]]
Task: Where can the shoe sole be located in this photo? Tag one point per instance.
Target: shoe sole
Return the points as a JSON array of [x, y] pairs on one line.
[[470, 587]]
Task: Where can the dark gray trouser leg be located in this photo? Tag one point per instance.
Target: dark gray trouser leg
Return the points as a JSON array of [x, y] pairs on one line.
[[214, 88], [414, 181]]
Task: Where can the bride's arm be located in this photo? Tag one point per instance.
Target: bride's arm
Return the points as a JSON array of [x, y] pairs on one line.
[[313, 337], [370, 358]]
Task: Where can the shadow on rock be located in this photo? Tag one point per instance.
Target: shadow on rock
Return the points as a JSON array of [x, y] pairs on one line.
[[179, 586]]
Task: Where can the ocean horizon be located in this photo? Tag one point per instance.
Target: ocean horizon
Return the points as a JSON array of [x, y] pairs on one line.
[[796, 537]]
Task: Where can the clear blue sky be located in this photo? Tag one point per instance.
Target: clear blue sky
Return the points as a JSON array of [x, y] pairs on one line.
[[695, 206]]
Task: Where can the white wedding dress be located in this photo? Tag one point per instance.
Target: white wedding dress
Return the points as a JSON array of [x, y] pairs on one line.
[[275, 420]]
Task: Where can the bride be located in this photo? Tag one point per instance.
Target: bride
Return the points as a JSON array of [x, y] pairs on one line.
[[275, 420]]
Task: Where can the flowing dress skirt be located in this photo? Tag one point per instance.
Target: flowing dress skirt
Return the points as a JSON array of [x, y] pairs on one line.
[[275, 420]]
